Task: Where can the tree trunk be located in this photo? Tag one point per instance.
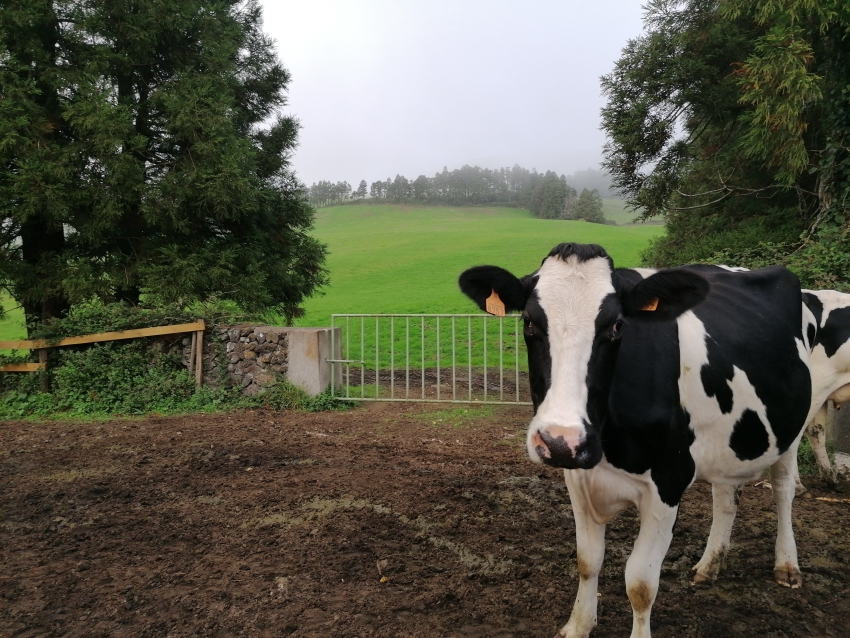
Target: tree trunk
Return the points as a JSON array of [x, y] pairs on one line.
[[40, 240], [130, 294]]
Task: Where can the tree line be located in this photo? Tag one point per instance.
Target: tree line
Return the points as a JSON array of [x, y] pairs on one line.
[[547, 195]]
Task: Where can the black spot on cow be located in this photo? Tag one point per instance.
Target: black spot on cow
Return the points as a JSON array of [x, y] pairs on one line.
[[816, 307], [624, 279], [814, 304], [536, 334], [674, 470], [749, 438], [836, 331], [645, 426], [716, 375]]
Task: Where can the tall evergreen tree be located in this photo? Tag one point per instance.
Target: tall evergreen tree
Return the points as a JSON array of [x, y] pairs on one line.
[[589, 207], [143, 151], [420, 188], [732, 119], [362, 190]]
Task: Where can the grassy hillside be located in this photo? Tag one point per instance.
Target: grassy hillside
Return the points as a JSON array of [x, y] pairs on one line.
[[406, 258]]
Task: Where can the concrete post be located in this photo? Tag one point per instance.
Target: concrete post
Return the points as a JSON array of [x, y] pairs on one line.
[[308, 350]]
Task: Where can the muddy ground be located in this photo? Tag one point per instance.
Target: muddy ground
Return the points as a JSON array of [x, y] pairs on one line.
[[276, 524]]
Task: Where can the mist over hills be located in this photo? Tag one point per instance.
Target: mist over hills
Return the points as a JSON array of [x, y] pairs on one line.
[[593, 179], [547, 195]]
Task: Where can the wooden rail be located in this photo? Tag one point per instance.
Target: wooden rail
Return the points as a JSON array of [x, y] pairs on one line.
[[196, 359], [22, 367], [104, 336]]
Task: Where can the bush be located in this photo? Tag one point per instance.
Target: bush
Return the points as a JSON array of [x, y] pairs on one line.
[[121, 378]]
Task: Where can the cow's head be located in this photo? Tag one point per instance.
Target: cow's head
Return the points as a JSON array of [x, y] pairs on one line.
[[576, 311]]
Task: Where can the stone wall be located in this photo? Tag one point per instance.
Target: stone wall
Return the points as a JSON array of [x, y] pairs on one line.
[[246, 356], [253, 357]]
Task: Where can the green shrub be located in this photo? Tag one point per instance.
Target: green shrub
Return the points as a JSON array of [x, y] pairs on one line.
[[120, 377], [131, 377], [17, 404], [285, 396]]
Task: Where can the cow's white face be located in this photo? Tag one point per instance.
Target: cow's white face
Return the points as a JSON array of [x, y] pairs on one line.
[[569, 294]]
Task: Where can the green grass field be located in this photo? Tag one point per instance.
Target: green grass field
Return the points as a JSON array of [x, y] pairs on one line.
[[12, 324], [406, 258]]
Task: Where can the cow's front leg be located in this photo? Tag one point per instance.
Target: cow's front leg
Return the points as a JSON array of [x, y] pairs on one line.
[[786, 571], [643, 569], [590, 551], [724, 508]]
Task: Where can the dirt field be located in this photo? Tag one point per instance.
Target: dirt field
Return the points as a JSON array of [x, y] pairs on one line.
[[276, 524]]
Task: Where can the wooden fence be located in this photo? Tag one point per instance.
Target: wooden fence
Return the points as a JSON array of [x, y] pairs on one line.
[[196, 360]]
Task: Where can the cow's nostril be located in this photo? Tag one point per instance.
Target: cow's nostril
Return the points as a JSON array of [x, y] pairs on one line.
[[540, 446], [557, 447]]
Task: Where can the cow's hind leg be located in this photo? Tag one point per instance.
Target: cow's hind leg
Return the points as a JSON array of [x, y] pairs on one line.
[[799, 488], [786, 571], [816, 434], [724, 508], [590, 551], [643, 569]]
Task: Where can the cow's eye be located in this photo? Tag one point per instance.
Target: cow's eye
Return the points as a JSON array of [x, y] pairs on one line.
[[616, 330]]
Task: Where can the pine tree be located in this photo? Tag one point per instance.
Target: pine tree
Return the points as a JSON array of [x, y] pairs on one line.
[[361, 191], [144, 153], [589, 207]]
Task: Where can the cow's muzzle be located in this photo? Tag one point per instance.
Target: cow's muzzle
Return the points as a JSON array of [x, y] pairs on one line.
[[567, 447]]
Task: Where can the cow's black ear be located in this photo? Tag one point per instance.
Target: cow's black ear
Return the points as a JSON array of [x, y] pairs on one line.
[[665, 295], [480, 282]]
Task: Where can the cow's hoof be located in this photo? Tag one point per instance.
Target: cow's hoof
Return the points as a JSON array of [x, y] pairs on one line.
[[831, 483], [700, 579], [582, 631], [788, 576], [799, 489], [708, 569]]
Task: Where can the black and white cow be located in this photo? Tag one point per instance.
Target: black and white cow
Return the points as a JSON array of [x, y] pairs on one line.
[[643, 385], [826, 324], [826, 320], [828, 333]]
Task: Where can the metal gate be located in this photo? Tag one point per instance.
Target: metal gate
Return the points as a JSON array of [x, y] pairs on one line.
[[432, 358]]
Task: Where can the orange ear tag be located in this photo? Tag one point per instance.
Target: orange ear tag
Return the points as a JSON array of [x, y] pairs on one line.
[[494, 305], [652, 305]]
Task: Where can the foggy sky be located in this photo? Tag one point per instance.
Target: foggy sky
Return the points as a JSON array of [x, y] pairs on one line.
[[410, 86]]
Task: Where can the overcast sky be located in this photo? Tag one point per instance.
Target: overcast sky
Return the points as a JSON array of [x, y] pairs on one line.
[[410, 86]]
